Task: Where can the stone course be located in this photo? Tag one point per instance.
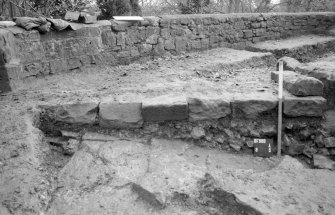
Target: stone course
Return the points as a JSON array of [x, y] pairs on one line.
[[107, 42], [130, 113], [225, 121]]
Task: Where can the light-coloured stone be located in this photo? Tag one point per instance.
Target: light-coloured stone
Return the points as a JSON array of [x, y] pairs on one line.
[[197, 133], [289, 63], [203, 107], [322, 162], [119, 113], [168, 107], [329, 142], [304, 106], [81, 113], [253, 104]]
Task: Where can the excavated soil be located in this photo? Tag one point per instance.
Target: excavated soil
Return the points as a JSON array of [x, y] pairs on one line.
[[146, 176]]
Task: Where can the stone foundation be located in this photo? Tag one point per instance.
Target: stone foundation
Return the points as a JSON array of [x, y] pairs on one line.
[[225, 122]]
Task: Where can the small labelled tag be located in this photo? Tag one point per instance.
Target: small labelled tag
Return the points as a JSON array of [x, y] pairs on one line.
[[263, 147]]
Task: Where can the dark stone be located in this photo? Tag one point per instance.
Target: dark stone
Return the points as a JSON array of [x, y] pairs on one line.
[[251, 105], [304, 106], [165, 108]]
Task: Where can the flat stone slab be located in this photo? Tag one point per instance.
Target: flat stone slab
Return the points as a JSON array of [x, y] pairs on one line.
[[203, 107], [303, 48], [253, 104], [299, 85], [117, 113], [304, 106], [78, 113], [292, 43], [216, 59], [162, 108]]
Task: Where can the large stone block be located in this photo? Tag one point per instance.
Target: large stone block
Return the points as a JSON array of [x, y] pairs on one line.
[[120, 113], [58, 66], [79, 113], [30, 51], [73, 63], [108, 39], [304, 106], [181, 44], [253, 104], [169, 107], [300, 85], [53, 49], [202, 107]]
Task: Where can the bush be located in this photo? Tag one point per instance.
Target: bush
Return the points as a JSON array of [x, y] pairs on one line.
[[110, 8], [193, 6]]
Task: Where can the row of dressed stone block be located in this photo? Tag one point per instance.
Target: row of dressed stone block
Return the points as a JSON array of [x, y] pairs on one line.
[[131, 112]]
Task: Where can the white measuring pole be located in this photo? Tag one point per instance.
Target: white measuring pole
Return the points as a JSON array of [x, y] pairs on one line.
[[280, 107]]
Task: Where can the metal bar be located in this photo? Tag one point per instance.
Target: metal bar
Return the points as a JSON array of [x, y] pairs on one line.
[[280, 108]]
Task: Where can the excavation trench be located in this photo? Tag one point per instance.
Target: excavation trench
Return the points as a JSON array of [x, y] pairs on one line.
[[162, 167]]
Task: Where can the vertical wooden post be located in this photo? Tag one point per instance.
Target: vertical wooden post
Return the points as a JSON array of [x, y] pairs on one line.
[[11, 10], [24, 8], [280, 108]]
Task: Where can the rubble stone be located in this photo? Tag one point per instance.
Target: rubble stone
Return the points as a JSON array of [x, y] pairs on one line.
[[329, 142], [197, 133], [323, 162]]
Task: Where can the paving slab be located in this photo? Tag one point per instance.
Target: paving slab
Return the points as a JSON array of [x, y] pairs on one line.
[[303, 48]]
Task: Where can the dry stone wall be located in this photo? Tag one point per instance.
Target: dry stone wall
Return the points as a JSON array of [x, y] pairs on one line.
[[29, 54]]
